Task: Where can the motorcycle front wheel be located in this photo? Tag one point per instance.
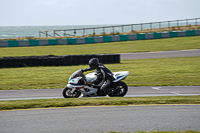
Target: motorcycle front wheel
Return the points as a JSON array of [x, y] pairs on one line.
[[67, 93], [118, 89]]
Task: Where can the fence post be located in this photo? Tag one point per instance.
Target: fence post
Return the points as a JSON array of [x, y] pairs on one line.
[[150, 26], [160, 25], [94, 31], [168, 24], [46, 34], [177, 23], [186, 22], [83, 32], [196, 21]]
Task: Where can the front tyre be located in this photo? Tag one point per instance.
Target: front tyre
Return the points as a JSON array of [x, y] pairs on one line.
[[118, 89], [67, 93]]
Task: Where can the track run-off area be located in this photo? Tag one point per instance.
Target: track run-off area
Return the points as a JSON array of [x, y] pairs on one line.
[[131, 118], [132, 92], [102, 119]]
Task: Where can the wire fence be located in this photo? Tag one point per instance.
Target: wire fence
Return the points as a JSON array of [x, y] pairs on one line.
[[92, 31]]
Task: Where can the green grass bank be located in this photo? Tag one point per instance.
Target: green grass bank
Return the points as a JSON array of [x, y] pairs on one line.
[[180, 43], [110, 101], [180, 71]]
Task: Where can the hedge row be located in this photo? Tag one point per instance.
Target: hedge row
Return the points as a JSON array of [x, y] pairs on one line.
[[52, 60]]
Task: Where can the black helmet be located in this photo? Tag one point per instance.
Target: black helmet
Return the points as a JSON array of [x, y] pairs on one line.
[[94, 63]]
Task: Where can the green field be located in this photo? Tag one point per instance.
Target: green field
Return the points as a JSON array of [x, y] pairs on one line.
[[183, 71], [180, 43], [143, 72], [72, 102]]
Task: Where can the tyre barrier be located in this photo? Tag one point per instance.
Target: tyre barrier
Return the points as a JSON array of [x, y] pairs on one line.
[[52, 60]]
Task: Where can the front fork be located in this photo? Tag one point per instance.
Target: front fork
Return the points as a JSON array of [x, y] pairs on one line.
[[73, 90]]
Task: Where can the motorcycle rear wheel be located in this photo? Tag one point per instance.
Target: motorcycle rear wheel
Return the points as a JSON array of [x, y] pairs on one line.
[[67, 93], [119, 89]]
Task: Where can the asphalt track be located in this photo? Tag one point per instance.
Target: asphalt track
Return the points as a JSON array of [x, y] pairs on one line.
[[160, 54], [132, 92], [105, 119], [102, 119]]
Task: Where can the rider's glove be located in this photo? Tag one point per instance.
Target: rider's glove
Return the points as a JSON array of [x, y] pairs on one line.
[[84, 70]]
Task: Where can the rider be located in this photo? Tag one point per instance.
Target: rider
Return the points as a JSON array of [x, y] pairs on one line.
[[101, 72]]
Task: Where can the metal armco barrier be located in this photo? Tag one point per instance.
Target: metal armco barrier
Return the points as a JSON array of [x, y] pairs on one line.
[[114, 29], [52, 60], [100, 39]]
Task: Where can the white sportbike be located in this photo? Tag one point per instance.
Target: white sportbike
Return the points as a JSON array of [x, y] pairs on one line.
[[81, 84]]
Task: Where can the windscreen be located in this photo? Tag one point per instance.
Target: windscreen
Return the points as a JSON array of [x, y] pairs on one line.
[[78, 73]]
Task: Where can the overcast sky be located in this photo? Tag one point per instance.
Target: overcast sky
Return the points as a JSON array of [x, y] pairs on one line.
[[87, 12]]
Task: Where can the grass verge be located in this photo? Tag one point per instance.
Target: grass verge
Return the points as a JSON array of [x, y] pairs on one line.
[[46, 103], [183, 71], [179, 43]]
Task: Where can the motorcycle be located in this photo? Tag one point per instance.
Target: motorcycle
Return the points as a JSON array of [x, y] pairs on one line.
[[81, 84]]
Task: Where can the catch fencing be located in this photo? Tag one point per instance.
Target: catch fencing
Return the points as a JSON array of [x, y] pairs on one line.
[[119, 28]]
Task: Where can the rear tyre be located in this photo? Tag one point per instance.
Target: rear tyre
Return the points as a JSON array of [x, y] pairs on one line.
[[67, 93], [118, 89]]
